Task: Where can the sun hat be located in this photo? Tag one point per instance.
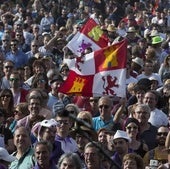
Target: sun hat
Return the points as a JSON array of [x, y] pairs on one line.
[[156, 40], [5, 156], [121, 134], [45, 123], [83, 131], [138, 61], [131, 29], [111, 28]]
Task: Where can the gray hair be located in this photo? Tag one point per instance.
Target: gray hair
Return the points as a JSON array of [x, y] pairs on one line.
[[143, 107], [72, 156]]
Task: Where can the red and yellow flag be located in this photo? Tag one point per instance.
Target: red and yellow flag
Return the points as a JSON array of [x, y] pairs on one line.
[[101, 72]]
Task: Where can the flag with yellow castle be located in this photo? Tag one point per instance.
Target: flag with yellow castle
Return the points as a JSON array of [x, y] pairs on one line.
[[102, 72]]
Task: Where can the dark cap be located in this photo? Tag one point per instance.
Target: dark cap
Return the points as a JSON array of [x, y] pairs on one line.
[[55, 78]]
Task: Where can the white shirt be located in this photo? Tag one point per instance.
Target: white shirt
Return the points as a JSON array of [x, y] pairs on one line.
[[158, 118]]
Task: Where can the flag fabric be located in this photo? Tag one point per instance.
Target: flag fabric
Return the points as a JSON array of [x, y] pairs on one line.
[[90, 35], [102, 72]]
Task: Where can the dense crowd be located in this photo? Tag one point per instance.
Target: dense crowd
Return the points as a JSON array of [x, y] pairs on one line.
[[41, 128]]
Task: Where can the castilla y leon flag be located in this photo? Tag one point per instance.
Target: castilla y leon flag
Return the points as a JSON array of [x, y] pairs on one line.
[[102, 72], [90, 35]]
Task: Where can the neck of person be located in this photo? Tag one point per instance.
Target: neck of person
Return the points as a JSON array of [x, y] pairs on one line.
[[21, 152], [144, 127], [45, 166]]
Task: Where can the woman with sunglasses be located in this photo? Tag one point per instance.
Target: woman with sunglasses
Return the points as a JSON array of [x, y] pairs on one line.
[[7, 102], [132, 129]]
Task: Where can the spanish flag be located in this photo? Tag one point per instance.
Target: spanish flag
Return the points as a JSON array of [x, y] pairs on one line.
[[102, 72]]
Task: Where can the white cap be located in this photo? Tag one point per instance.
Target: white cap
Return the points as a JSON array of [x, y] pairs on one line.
[[121, 134], [49, 123], [4, 155]]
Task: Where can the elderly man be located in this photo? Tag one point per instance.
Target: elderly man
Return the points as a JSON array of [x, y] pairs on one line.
[[33, 117], [148, 132], [157, 117], [106, 119], [24, 153]]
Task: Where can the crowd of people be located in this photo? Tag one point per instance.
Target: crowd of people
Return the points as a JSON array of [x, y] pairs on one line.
[[41, 128]]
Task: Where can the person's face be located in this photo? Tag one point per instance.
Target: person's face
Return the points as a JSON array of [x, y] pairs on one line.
[[93, 102], [150, 100], [105, 108], [140, 95], [41, 83], [132, 130], [92, 158], [18, 36], [5, 98], [81, 141], [55, 85], [102, 138], [161, 135], [5, 42], [63, 125], [21, 139], [67, 163], [141, 115], [121, 145], [17, 114], [42, 154], [34, 47], [129, 164], [34, 107], [46, 39], [38, 69], [14, 46], [148, 68], [8, 68], [49, 134], [14, 81]]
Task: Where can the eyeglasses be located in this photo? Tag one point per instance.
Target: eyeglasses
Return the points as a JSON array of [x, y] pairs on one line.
[[104, 106], [8, 67], [93, 100], [6, 95], [162, 134], [130, 127], [18, 35], [60, 122], [14, 44], [14, 79]]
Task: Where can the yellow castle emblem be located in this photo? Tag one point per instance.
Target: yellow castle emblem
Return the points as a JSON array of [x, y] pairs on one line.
[[78, 85]]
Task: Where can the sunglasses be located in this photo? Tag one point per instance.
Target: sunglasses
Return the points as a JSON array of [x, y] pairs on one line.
[[8, 67], [60, 122], [5, 40], [6, 95], [16, 112], [104, 106], [162, 134], [130, 127], [72, 112], [13, 79], [34, 45]]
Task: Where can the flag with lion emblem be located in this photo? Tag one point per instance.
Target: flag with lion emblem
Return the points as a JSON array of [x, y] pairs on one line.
[[102, 72], [90, 35]]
